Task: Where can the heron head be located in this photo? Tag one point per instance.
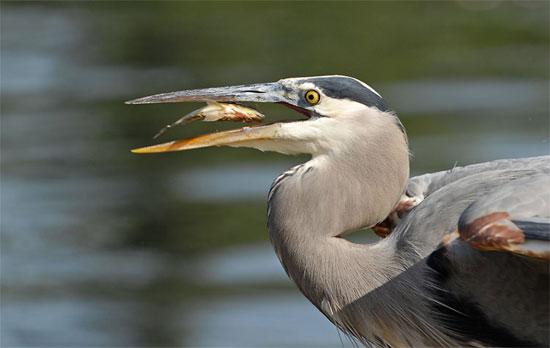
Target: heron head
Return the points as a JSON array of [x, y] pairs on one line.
[[339, 110]]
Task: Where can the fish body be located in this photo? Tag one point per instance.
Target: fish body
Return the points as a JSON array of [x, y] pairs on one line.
[[214, 111]]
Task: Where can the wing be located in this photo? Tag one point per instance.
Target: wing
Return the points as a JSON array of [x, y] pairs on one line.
[[490, 283], [515, 218], [422, 186]]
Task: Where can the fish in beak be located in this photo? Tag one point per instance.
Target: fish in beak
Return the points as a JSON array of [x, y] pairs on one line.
[[270, 137], [214, 111]]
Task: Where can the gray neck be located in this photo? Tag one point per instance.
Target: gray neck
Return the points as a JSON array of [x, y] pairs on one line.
[[313, 204], [354, 285]]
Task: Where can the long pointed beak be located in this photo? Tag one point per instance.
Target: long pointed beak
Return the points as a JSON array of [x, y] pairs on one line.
[[261, 92], [266, 137]]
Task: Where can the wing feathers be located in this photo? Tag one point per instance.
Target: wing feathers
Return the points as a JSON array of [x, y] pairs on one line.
[[515, 218]]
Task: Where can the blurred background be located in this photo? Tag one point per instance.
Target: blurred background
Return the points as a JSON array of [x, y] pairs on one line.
[[103, 248]]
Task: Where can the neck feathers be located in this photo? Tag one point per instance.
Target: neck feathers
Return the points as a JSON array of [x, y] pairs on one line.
[[355, 185], [330, 195], [313, 204]]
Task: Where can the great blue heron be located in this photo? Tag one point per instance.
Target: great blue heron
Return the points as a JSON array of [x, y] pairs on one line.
[[467, 264]]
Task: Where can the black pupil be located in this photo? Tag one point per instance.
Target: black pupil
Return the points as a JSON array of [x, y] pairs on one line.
[[310, 96]]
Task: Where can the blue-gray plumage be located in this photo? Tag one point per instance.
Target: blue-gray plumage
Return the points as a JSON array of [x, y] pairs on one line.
[[485, 290], [465, 260]]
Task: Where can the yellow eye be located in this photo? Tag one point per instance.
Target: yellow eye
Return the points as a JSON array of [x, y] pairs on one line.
[[312, 97]]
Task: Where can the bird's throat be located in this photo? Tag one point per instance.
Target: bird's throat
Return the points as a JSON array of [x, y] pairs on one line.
[[313, 204]]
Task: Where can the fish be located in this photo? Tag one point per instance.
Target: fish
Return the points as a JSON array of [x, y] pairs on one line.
[[214, 111]]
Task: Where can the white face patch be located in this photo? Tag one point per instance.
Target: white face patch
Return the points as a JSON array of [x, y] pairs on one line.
[[335, 87], [332, 107], [339, 108], [307, 86]]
